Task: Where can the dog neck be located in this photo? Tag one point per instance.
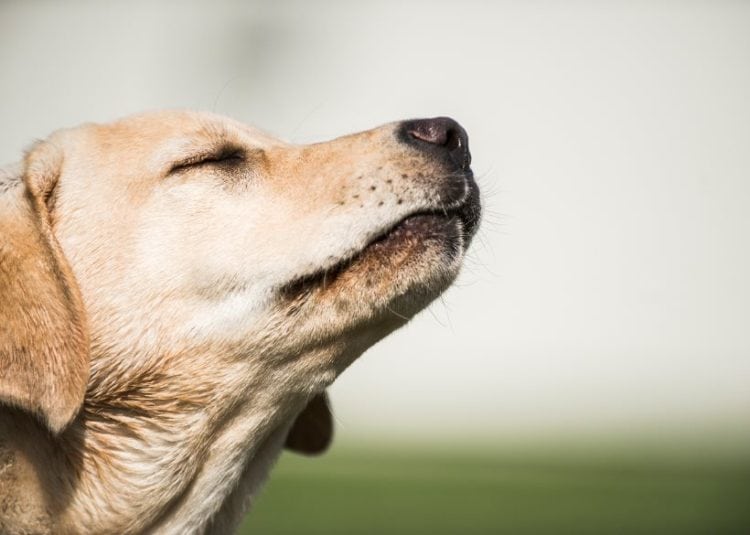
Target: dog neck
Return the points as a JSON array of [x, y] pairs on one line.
[[157, 451]]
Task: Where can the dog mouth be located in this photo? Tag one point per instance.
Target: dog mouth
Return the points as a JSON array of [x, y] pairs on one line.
[[451, 228]]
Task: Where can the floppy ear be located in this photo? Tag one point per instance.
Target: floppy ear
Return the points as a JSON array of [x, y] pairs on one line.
[[312, 431], [44, 345]]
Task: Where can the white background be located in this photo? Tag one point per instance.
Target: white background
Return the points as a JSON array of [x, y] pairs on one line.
[[608, 290]]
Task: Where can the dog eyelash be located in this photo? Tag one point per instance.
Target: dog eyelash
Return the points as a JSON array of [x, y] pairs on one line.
[[226, 156]]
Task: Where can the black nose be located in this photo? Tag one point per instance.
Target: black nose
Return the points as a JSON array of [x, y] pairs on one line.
[[440, 134]]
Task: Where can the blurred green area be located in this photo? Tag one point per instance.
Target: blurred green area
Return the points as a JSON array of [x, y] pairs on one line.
[[363, 490]]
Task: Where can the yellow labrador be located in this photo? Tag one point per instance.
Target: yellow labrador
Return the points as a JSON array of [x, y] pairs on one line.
[[177, 290]]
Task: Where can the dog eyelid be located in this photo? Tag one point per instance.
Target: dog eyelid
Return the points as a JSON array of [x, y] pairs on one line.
[[226, 155]]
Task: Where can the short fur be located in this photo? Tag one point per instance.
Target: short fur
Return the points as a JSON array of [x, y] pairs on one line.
[[177, 290]]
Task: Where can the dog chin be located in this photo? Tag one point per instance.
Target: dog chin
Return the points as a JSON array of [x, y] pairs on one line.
[[393, 277]]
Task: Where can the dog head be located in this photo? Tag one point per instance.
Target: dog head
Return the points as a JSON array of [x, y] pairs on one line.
[[187, 233]]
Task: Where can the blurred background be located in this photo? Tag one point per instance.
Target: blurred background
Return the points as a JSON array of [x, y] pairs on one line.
[[590, 370]]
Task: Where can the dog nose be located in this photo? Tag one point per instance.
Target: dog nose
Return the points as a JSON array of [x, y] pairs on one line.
[[441, 134]]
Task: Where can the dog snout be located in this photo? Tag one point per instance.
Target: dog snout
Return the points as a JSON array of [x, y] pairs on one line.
[[441, 136]]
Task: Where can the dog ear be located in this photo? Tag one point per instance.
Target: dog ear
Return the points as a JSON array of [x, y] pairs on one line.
[[44, 344], [312, 431]]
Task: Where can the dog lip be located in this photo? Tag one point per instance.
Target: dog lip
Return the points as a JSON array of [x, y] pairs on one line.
[[466, 209], [470, 210], [461, 211]]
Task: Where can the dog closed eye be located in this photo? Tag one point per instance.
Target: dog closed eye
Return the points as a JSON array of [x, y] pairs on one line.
[[225, 155]]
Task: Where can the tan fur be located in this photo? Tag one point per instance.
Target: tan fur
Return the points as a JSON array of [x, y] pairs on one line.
[[43, 333], [163, 323]]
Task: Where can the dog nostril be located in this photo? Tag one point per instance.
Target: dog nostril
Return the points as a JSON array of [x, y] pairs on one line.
[[439, 134], [431, 131], [453, 141]]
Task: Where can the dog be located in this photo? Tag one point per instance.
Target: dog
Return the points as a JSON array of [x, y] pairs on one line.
[[178, 290]]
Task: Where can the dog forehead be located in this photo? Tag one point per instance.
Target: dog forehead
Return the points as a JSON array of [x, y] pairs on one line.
[[151, 142], [161, 136]]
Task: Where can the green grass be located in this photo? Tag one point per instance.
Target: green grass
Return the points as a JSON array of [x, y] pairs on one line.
[[405, 491]]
